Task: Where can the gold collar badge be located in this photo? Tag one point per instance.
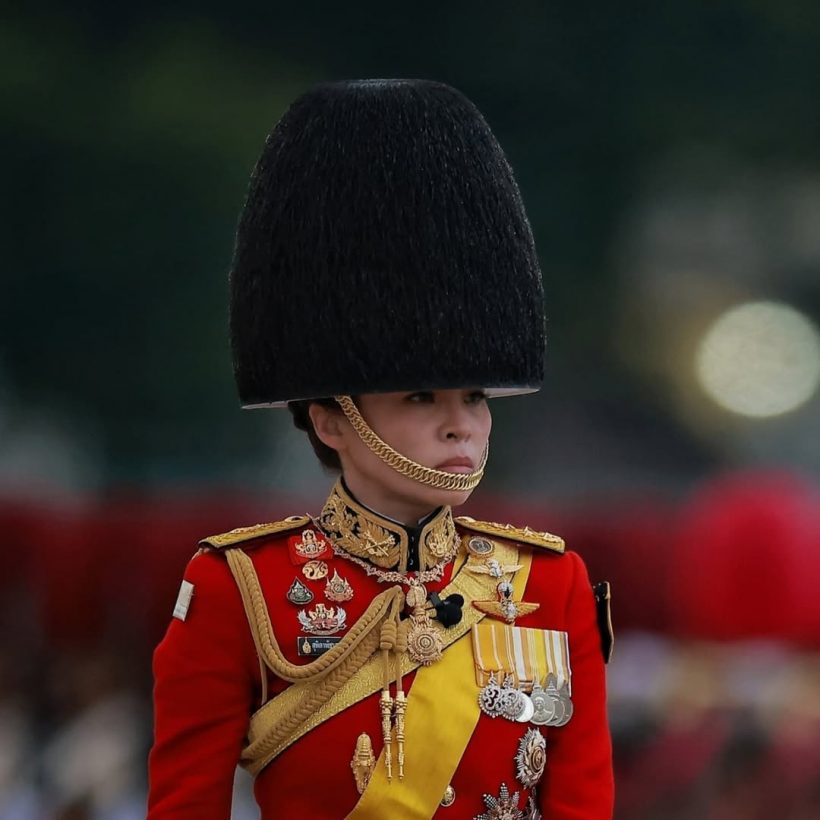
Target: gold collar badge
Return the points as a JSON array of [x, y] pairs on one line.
[[365, 534]]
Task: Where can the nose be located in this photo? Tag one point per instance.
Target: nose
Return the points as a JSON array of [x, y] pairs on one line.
[[457, 424]]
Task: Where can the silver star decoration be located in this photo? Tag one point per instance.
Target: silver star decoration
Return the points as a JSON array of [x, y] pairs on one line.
[[502, 807]]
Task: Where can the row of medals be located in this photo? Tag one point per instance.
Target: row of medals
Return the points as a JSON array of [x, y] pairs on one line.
[[547, 705]]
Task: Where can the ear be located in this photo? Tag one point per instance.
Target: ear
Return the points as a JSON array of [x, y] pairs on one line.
[[329, 425]]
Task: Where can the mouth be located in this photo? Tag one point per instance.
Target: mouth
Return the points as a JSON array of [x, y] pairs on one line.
[[457, 465]]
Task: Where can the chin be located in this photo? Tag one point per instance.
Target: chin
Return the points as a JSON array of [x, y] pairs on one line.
[[444, 498]]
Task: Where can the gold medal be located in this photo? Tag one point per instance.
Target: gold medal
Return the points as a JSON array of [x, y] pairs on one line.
[[424, 642], [338, 588], [315, 570]]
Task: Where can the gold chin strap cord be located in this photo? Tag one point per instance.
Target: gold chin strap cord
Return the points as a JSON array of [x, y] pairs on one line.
[[440, 479]]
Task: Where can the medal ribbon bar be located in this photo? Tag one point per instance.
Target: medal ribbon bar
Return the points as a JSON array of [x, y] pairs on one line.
[[527, 654]]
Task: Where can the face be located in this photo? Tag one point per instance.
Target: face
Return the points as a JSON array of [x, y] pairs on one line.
[[443, 429]]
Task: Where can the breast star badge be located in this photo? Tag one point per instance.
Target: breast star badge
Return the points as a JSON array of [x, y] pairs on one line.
[[503, 807]]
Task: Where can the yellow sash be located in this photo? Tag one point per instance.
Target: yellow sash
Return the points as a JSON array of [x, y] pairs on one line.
[[442, 713]]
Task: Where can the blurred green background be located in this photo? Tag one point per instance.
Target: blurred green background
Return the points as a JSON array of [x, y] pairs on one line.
[[669, 158]]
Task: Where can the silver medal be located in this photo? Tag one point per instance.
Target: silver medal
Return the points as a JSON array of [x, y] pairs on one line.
[[528, 711], [489, 698], [566, 703], [512, 700], [543, 706], [553, 693]]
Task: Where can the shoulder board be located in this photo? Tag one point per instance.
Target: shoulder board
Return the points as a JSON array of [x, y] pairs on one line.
[[240, 534], [523, 535]]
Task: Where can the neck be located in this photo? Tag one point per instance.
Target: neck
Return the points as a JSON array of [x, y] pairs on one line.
[[405, 511]]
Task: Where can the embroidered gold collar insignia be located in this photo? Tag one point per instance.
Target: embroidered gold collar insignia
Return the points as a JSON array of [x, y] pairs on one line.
[[359, 531]]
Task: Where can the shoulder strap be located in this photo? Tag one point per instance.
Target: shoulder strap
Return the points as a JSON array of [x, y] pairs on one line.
[[521, 535], [240, 534]]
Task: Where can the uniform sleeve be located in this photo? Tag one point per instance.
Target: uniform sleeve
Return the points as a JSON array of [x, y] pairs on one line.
[[203, 696], [578, 780]]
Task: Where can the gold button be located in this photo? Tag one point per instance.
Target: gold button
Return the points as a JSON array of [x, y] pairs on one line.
[[449, 797]]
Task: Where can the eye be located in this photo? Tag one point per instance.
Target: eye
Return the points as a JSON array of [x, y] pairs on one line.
[[421, 397], [476, 397]]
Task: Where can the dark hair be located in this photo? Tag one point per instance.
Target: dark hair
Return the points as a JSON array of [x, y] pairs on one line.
[[300, 410]]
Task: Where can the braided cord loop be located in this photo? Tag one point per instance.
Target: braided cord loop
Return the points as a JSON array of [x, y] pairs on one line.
[[440, 479], [321, 678]]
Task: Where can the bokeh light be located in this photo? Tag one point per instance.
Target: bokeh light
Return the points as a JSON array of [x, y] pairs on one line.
[[760, 359]]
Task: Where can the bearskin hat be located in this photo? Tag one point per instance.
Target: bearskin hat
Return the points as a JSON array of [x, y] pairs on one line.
[[383, 246]]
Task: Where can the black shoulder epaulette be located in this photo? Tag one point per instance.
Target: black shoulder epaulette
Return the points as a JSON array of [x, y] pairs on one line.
[[240, 534], [523, 535]]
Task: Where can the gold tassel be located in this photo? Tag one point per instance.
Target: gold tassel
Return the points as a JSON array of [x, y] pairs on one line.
[[401, 708], [386, 705]]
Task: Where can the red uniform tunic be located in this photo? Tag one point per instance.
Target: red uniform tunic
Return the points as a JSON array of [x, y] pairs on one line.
[[208, 683]]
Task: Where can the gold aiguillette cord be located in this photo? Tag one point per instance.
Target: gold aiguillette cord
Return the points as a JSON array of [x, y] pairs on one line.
[[393, 639]]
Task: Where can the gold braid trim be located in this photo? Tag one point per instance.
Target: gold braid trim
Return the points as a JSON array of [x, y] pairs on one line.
[[401, 464], [268, 647], [267, 737], [316, 682]]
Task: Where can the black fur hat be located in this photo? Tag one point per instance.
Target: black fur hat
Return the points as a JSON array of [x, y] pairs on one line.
[[383, 246]]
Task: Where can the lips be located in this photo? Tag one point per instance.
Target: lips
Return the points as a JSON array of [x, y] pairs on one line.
[[461, 464]]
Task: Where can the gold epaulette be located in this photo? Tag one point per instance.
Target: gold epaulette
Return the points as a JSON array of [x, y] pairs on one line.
[[228, 539], [521, 535]]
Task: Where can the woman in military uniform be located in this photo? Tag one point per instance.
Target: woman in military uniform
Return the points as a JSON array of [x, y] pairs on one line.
[[384, 658]]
